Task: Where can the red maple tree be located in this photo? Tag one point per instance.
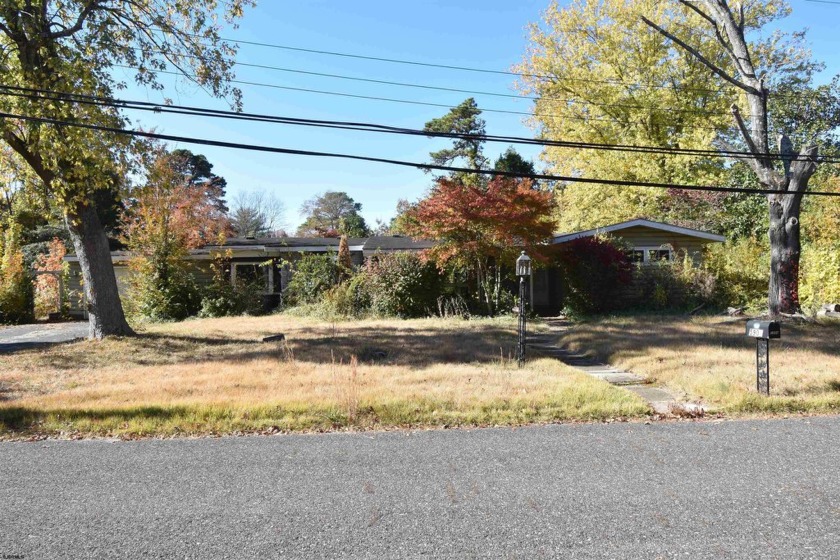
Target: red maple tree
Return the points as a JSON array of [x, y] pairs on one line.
[[480, 227]]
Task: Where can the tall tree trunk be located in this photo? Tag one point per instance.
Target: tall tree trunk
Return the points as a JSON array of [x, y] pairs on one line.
[[784, 259], [785, 247], [497, 288], [484, 286], [106, 317]]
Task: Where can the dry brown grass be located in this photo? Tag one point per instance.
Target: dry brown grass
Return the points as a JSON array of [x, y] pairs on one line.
[[216, 375], [711, 360]]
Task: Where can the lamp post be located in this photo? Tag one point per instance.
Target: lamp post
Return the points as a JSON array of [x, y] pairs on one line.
[[523, 270]]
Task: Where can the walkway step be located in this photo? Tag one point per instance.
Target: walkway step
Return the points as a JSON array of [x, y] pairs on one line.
[[660, 399], [619, 378]]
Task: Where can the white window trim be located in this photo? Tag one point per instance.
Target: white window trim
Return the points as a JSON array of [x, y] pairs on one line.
[[260, 264], [646, 256]]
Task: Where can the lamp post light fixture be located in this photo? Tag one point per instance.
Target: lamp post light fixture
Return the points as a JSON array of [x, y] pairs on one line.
[[523, 270]]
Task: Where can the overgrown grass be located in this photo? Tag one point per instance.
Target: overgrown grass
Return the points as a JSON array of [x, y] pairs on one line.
[[216, 376], [709, 359]]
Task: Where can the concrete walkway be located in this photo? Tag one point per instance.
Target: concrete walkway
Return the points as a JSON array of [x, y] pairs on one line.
[[660, 399]]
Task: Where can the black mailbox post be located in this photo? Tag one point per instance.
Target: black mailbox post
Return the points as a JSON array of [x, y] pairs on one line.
[[762, 332]]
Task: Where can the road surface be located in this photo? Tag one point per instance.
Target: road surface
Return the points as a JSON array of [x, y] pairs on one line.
[[733, 489]]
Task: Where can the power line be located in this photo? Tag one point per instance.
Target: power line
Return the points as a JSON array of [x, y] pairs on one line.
[[366, 127], [474, 69], [367, 80], [454, 90], [449, 106], [424, 166], [38, 94], [421, 103]]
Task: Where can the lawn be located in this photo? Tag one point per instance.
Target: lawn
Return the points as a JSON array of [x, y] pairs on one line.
[[216, 376], [710, 360]]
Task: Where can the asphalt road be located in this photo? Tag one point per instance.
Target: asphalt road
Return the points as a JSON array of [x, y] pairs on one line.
[[735, 489], [22, 337]]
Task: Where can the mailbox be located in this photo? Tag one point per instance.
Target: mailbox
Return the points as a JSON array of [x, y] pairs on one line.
[[762, 332], [764, 329]]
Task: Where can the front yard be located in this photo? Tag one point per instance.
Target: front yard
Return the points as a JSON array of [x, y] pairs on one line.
[[216, 376], [710, 360]]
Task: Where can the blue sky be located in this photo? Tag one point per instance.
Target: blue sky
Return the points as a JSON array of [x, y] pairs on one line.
[[489, 34]]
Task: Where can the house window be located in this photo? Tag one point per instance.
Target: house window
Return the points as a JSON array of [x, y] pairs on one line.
[[650, 255], [656, 255], [246, 273], [636, 256]]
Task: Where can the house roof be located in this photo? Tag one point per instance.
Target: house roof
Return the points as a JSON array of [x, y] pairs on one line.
[[314, 244], [116, 256], [639, 222], [290, 242], [396, 243]]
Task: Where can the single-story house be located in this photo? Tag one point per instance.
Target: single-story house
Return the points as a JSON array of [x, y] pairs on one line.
[[273, 258], [251, 258], [648, 242]]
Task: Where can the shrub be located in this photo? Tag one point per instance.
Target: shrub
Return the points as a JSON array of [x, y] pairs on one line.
[[351, 298], [594, 273], [402, 284], [162, 295], [16, 290], [676, 285], [819, 277], [741, 269], [314, 275], [222, 299]]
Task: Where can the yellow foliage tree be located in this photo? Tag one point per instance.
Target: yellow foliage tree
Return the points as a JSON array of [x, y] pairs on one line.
[[820, 268], [15, 283], [601, 75]]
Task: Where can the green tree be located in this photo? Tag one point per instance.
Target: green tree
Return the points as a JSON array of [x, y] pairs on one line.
[[197, 172], [72, 46], [465, 152], [333, 214], [512, 162], [399, 224], [605, 72]]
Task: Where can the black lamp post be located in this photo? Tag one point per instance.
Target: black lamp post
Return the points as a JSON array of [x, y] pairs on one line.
[[523, 270]]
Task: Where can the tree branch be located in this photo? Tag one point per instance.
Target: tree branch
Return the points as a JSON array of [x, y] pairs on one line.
[[802, 168], [80, 21], [34, 160], [758, 162], [740, 52], [714, 24], [709, 64]]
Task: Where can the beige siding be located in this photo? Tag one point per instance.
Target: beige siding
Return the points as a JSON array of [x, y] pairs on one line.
[[75, 294], [75, 286], [641, 236], [202, 272]]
